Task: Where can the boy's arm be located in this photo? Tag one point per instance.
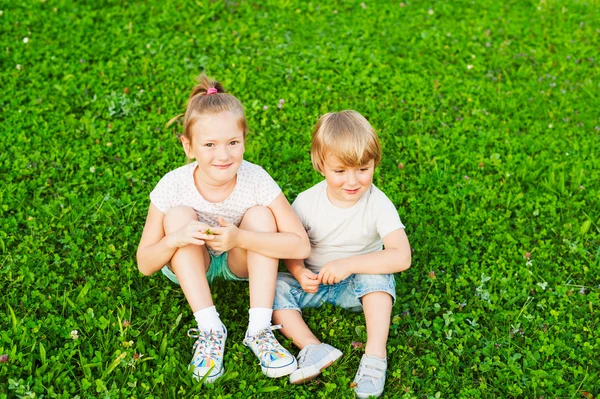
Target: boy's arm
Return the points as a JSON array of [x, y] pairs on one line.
[[396, 257], [308, 280]]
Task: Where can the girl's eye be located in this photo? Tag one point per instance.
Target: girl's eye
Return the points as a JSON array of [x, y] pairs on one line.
[[209, 145], [234, 142], [339, 171], [364, 169]]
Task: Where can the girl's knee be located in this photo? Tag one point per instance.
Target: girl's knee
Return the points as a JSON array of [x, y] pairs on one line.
[[259, 218], [178, 217]]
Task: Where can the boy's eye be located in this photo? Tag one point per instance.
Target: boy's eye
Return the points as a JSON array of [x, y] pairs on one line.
[[364, 169], [209, 144], [234, 142], [339, 171]]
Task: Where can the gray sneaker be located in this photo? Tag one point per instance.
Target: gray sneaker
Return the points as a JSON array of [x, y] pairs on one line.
[[370, 377], [312, 360]]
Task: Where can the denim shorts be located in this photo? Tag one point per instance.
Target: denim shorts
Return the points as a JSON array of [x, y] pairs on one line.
[[219, 268], [346, 294]]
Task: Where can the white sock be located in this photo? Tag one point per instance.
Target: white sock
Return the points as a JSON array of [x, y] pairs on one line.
[[260, 318], [208, 319]]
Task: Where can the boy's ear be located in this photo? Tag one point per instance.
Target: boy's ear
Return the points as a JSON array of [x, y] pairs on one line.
[[187, 147]]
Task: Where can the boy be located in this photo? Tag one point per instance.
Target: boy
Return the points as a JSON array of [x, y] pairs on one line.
[[347, 220]]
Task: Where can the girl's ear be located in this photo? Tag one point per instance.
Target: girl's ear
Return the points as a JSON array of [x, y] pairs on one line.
[[187, 147]]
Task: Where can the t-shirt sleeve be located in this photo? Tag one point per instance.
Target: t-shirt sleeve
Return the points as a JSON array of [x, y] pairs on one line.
[[163, 194], [297, 207], [266, 188], [388, 219]]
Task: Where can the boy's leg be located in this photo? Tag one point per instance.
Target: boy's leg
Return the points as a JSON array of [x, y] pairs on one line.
[[314, 356], [295, 328], [378, 310], [261, 271], [377, 293]]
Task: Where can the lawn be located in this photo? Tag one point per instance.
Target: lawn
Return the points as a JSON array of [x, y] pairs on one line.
[[489, 117]]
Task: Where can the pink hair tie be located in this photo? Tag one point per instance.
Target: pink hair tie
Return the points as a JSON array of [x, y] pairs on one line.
[[210, 91]]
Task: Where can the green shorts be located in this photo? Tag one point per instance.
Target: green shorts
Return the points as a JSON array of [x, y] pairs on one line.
[[219, 268]]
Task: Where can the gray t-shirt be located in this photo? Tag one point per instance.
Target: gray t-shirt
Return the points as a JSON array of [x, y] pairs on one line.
[[338, 233]]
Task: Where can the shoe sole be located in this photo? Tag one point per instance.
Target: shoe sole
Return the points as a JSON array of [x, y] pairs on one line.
[[368, 395], [210, 379], [276, 372], [308, 375]]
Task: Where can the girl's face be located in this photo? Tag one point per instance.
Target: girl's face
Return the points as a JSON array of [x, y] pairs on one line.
[[217, 145], [345, 185]]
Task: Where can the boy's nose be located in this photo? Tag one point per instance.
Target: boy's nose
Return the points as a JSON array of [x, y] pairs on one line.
[[352, 179]]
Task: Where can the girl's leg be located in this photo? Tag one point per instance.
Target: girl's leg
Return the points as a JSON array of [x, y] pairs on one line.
[[189, 263], [378, 310], [295, 328], [275, 361], [261, 270]]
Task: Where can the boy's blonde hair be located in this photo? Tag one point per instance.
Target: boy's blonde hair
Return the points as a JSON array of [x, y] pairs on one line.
[[346, 135], [209, 97]]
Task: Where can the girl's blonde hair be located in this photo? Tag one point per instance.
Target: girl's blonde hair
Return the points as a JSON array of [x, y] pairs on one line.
[[346, 135], [209, 97]]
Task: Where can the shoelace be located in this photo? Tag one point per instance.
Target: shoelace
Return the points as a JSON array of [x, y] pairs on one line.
[[203, 338], [266, 342]]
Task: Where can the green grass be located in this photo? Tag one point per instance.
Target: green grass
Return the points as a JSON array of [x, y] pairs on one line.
[[491, 107]]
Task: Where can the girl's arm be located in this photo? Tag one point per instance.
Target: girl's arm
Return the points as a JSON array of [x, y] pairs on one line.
[[289, 242], [156, 249], [396, 257]]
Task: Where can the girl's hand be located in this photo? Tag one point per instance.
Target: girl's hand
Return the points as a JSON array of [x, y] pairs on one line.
[[225, 237], [308, 280], [334, 272], [192, 233]]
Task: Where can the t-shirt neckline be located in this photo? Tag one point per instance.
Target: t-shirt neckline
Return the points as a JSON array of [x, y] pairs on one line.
[[193, 182]]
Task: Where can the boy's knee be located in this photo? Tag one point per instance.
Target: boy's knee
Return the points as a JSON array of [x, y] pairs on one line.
[[365, 284], [178, 217], [259, 218]]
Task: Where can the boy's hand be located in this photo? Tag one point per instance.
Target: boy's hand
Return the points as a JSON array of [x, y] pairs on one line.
[[225, 237], [333, 273], [308, 280], [192, 233]]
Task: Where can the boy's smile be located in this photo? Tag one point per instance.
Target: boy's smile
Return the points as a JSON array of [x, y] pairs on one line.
[[345, 184]]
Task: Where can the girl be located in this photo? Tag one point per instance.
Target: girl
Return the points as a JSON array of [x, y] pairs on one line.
[[221, 217]]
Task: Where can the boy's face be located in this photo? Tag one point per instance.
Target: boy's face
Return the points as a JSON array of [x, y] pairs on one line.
[[346, 185]]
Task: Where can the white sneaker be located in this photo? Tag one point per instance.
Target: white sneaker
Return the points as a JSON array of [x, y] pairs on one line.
[[313, 359], [275, 360], [208, 350], [370, 377]]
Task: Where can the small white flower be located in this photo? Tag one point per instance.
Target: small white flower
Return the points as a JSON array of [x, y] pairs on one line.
[[19, 66], [92, 169], [430, 11], [25, 40], [550, 126], [508, 175], [566, 153], [1, 12], [75, 334], [469, 66]]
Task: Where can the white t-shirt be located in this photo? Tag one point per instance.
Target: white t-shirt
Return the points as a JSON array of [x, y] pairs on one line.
[[337, 233], [254, 187]]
